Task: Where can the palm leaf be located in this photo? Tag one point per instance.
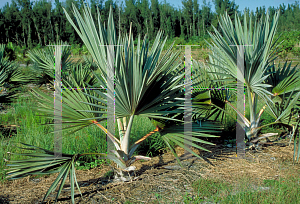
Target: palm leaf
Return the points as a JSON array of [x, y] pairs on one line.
[[47, 163], [257, 57], [44, 60], [283, 79], [44, 163]]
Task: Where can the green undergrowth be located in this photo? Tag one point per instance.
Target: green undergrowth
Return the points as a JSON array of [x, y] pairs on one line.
[[282, 190], [244, 191]]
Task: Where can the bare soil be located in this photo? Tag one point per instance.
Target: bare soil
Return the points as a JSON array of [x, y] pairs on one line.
[[160, 176]]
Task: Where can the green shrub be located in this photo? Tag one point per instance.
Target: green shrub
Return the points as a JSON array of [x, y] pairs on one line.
[[296, 51], [75, 49], [9, 52]]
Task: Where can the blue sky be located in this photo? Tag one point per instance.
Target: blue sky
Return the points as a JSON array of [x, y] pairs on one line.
[[252, 4]]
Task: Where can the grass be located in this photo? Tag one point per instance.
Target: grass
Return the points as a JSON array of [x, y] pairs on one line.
[[212, 190], [272, 191]]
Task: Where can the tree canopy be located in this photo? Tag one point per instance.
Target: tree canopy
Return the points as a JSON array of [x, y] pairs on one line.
[[29, 23]]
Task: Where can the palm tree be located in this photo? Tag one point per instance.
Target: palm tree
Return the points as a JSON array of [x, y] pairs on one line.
[[10, 73], [285, 109], [44, 60], [264, 83], [147, 83], [43, 67]]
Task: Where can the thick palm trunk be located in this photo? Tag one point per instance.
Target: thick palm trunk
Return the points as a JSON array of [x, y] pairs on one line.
[[125, 141], [121, 129]]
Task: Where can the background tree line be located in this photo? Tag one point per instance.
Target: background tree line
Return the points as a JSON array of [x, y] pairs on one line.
[[29, 24]]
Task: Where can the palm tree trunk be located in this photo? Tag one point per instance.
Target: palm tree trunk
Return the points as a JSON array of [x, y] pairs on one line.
[[125, 141], [121, 129]]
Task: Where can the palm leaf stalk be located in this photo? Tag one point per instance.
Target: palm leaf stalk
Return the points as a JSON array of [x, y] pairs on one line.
[[147, 83]]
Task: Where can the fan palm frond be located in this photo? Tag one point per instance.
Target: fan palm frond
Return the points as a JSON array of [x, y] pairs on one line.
[[44, 59]]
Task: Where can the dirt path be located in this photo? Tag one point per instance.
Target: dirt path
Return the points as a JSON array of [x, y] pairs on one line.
[[159, 179]]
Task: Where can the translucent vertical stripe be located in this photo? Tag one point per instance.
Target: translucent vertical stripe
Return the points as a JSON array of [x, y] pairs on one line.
[[110, 96], [57, 103], [188, 95], [240, 132]]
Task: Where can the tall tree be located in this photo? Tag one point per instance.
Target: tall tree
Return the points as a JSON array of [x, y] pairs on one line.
[[11, 23], [70, 33], [26, 22], [41, 21], [155, 16], [144, 10], [131, 13], [195, 14], [58, 18], [206, 16], [187, 10], [224, 5]]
